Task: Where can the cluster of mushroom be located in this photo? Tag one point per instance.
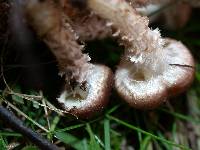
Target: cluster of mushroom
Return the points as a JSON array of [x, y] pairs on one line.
[[151, 69]]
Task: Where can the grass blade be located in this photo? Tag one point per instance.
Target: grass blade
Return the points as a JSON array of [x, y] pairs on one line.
[[145, 143], [10, 134], [70, 140], [180, 116], [70, 128], [2, 144], [93, 143], [146, 133], [107, 134]]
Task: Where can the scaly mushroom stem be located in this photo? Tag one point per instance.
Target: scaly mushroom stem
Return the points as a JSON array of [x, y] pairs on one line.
[[87, 25], [48, 21], [133, 29], [142, 45]]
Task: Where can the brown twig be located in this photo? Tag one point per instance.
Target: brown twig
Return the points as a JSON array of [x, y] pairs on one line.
[[16, 124]]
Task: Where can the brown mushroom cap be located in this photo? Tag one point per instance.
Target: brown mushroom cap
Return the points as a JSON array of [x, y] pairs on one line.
[[148, 87], [93, 98]]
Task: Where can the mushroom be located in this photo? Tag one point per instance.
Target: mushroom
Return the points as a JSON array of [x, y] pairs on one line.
[[87, 86], [152, 68], [91, 97], [147, 85]]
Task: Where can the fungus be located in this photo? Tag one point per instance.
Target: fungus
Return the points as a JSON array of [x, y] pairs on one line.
[[142, 86], [87, 25], [152, 68], [90, 26], [87, 85], [91, 97]]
